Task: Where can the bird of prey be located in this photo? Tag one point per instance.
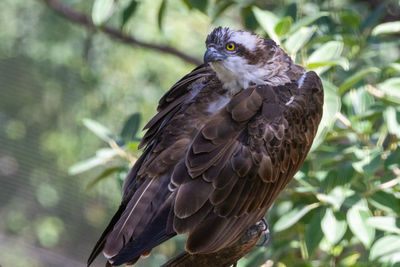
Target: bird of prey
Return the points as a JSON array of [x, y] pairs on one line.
[[226, 140]]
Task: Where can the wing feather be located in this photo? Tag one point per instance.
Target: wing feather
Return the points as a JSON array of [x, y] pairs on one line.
[[268, 142], [212, 175]]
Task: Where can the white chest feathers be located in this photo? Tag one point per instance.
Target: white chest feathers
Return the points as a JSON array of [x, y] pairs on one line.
[[236, 74]]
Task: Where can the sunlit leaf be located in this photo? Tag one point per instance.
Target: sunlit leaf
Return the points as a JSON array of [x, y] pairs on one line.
[[395, 66], [385, 223], [356, 77], [328, 52], [331, 107], [293, 216], [102, 11], [391, 88], [267, 21], [387, 28], [361, 102], [336, 197], [387, 246], [341, 61], [98, 129], [351, 260], [334, 226], [283, 26], [370, 162], [102, 157], [297, 40], [357, 217], [393, 124]]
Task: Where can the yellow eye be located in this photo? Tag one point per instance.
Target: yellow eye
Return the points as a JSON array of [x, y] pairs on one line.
[[230, 46]]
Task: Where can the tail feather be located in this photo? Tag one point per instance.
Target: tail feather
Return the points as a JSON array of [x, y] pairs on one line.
[[152, 193], [101, 242], [156, 233]]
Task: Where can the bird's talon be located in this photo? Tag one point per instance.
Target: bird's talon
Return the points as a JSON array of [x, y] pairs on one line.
[[265, 229]]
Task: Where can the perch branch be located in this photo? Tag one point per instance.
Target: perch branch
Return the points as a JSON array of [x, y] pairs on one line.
[[87, 22], [225, 257]]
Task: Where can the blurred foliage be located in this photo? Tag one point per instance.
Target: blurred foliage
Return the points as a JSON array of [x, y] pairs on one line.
[[342, 208]]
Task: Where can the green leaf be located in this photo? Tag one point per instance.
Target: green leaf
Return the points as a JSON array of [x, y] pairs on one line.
[[385, 201], [390, 116], [293, 216], [334, 226], [290, 10], [307, 21], [102, 11], [341, 61], [248, 18], [356, 77], [328, 52], [297, 40], [350, 18], [98, 129], [161, 12], [386, 247], [387, 28], [283, 26], [102, 176], [374, 16], [131, 127], [336, 197], [220, 7], [357, 217], [395, 67], [128, 12], [391, 88], [370, 161], [267, 21], [198, 4], [102, 157], [313, 232], [350, 260], [331, 107], [385, 223]]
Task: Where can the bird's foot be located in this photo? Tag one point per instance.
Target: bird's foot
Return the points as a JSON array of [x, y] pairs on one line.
[[263, 224]]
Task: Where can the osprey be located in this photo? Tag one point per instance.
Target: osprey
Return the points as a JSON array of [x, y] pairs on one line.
[[227, 139]]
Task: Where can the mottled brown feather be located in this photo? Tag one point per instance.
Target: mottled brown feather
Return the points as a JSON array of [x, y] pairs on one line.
[[220, 170]]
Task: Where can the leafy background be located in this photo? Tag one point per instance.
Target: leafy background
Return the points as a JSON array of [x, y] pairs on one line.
[[73, 101]]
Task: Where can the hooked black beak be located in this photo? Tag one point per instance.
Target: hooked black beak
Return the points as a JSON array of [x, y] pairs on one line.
[[212, 55]]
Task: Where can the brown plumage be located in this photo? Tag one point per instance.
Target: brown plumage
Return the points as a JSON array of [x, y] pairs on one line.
[[226, 140]]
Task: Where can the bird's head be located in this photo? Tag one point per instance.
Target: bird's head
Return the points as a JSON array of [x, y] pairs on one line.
[[242, 58]]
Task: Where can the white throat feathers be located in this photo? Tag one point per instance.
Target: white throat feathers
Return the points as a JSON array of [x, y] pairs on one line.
[[255, 64]]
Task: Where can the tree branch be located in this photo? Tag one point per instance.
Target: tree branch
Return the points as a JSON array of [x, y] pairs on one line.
[[225, 257], [87, 22]]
